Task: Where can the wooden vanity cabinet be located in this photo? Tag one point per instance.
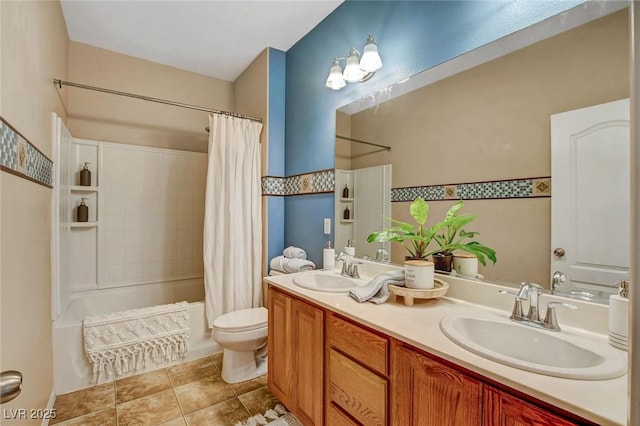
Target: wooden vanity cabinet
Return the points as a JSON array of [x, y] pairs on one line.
[[368, 378], [296, 345], [429, 393], [426, 392], [503, 409], [357, 369]]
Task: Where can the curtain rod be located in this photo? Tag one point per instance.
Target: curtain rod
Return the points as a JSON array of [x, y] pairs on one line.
[[388, 148], [61, 83]]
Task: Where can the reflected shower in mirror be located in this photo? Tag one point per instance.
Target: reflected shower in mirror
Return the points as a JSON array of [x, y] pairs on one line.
[[482, 134]]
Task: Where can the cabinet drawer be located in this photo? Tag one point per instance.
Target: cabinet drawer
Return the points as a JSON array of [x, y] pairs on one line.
[[368, 348], [337, 417], [357, 390]]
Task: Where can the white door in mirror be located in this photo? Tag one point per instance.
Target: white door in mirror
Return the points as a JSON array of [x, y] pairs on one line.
[[590, 205]]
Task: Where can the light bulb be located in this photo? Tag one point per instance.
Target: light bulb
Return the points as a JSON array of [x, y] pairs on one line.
[[335, 81], [371, 61], [352, 71]]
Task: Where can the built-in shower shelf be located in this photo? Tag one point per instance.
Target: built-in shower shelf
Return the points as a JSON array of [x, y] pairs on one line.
[[79, 188], [346, 220], [84, 224]]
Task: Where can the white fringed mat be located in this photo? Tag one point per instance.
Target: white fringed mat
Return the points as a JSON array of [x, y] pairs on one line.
[[130, 340], [278, 416]]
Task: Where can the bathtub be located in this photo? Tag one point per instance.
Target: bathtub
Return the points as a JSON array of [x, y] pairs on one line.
[[72, 370]]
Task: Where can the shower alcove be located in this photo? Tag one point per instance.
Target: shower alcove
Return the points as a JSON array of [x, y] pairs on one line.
[[141, 245]]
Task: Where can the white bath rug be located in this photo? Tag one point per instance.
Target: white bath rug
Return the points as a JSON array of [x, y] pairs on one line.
[[131, 340], [278, 416]]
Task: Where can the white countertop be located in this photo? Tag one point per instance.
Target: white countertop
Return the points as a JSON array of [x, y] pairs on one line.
[[601, 401]]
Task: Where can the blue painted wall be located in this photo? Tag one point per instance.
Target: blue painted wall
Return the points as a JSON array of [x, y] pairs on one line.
[[275, 205], [412, 36]]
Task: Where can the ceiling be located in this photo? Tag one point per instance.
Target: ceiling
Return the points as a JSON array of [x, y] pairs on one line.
[[215, 38]]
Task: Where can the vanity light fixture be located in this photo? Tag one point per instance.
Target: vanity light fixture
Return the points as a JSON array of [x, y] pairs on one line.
[[357, 69]]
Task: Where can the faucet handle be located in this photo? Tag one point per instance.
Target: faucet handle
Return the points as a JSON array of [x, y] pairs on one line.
[[535, 287], [550, 320], [527, 289], [517, 306], [532, 291], [345, 268], [512, 293], [354, 269]]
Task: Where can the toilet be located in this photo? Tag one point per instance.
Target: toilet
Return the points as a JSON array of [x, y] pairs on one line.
[[243, 336]]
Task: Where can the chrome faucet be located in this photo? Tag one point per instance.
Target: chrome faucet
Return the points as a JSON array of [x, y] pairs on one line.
[[557, 278], [532, 292], [349, 266]]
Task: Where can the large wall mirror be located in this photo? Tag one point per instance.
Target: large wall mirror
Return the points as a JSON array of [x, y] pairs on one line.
[[485, 128]]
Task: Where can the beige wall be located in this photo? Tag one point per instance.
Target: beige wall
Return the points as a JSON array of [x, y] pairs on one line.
[[343, 147], [34, 51], [491, 123], [101, 116], [251, 97]]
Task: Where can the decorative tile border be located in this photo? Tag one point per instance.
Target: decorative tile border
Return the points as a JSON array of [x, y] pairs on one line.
[[324, 181], [516, 188], [19, 157], [272, 185], [319, 182]]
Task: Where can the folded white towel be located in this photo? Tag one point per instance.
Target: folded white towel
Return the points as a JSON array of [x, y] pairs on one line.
[[284, 264], [377, 291], [294, 253]]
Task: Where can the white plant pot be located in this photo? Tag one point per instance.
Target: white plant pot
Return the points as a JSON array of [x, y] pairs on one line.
[[418, 274], [465, 264]]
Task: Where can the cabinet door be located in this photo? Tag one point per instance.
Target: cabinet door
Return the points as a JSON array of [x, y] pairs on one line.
[[426, 392], [506, 410], [308, 338], [280, 347]]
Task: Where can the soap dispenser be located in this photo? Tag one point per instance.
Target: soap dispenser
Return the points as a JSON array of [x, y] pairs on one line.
[[619, 316], [82, 212], [85, 175], [350, 249], [347, 213], [345, 191], [328, 257]]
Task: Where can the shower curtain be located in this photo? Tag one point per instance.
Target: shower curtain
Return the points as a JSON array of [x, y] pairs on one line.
[[232, 219]]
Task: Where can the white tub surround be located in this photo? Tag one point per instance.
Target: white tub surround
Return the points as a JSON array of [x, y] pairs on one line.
[[72, 369], [146, 209], [601, 401]]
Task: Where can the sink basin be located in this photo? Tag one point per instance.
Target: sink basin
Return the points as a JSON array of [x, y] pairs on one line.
[[327, 281], [560, 354]]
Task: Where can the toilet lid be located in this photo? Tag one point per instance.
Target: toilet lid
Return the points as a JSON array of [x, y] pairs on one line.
[[242, 320]]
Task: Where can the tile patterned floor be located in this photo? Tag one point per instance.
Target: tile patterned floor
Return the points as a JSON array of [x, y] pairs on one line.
[[192, 393]]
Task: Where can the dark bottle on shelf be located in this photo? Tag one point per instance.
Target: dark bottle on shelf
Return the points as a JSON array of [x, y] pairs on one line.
[[85, 175], [82, 212], [347, 213], [345, 191]]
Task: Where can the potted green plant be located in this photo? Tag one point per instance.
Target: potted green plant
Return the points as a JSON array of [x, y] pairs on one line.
[[450, 237], [415, 238], [447, 234]]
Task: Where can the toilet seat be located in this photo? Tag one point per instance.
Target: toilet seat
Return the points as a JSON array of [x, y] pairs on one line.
[[242, 320]]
